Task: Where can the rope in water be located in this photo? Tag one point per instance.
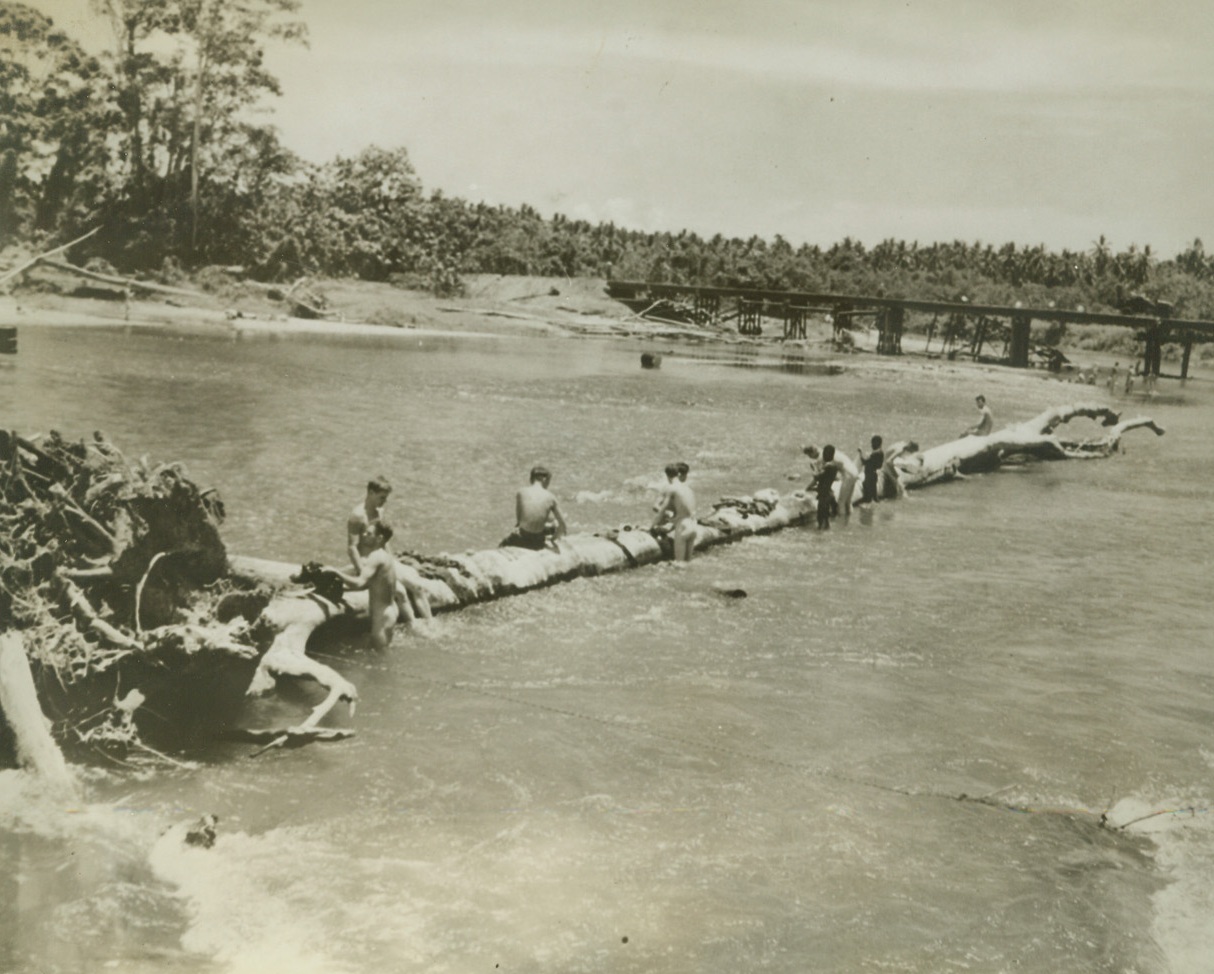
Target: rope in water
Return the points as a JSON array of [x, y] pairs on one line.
[[1100, 819]]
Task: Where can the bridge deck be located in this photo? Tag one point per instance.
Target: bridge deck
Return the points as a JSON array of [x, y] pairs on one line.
[[804, 299]]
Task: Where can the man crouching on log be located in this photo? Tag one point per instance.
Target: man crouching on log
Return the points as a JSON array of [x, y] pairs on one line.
[[378, 577]]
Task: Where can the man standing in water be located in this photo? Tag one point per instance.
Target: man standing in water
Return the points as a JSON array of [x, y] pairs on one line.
[[680, 505], [873, 462], [535, 507], [821, 486], [986, 422], [360, 543], [377, 574], [846, 471]]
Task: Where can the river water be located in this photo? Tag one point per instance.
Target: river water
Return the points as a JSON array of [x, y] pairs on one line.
[[632, 773]]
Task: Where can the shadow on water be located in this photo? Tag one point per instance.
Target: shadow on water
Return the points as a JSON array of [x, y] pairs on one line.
[[762, 359]]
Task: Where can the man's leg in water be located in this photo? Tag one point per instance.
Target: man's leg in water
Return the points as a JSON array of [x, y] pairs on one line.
[[684, 539], [382, 623], [404, 608], [419, 602]]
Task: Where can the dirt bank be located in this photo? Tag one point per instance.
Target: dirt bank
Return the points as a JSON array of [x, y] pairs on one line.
[[496, 305]]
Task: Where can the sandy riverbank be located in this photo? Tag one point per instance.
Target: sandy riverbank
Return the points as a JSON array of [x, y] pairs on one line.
[[493, 305]]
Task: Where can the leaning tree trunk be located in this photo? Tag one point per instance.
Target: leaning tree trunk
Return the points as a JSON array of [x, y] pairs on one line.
[[1035, 438], [30, 729]]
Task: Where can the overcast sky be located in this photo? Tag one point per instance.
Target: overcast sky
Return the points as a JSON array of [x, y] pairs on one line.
[[1049, 121]]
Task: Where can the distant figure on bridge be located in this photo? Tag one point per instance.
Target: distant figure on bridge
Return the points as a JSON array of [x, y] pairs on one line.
[[1113, 378], [986, 422], [537, 514]]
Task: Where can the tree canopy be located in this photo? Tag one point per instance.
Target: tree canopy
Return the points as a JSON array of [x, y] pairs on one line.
[[161, 142]]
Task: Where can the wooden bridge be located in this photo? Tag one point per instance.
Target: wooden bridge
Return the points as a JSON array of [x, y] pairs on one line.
[[961, 326]]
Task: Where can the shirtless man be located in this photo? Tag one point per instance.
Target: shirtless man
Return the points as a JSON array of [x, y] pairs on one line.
[[680, 504], [986, 421], [377, 574], [358, 525], [824, 479], [874, 464], [659, 506], [534, 507], [359, 544], [847, 472]]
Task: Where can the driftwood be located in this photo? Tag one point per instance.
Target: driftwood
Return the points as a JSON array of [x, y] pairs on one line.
[[19, 706], [1034, 438], [81, 530], [127, 283], [62, 248]]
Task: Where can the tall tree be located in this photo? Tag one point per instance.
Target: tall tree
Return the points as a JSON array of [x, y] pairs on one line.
[[186, 74], [50, 117]]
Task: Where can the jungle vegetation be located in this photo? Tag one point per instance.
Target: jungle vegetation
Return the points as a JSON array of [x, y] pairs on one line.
[[164, 142]]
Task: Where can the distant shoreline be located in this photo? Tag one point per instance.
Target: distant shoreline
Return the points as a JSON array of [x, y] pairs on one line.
[[494, 306]]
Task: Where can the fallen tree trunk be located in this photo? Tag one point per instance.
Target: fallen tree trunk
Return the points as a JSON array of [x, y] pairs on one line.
[[117, 573], [33, 261], [128, 283], [452, 581], [19, 706], [1034, 438]]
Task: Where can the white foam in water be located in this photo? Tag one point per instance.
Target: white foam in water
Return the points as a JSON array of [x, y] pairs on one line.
[[238, 913], [1183, 833], [1183, 909]]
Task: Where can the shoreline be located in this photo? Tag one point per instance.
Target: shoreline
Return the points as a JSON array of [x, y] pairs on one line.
[[499, 307]]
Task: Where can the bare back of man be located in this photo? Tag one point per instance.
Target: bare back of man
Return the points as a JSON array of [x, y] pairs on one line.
[[681, 505], [532, 506]]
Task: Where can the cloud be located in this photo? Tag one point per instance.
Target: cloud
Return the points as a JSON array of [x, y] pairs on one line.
[[955, 55]]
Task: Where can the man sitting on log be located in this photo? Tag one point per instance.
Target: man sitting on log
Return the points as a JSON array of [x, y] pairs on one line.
[[986, 422], [358, 526], [534, 508], [659, 506], [378, 576]]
